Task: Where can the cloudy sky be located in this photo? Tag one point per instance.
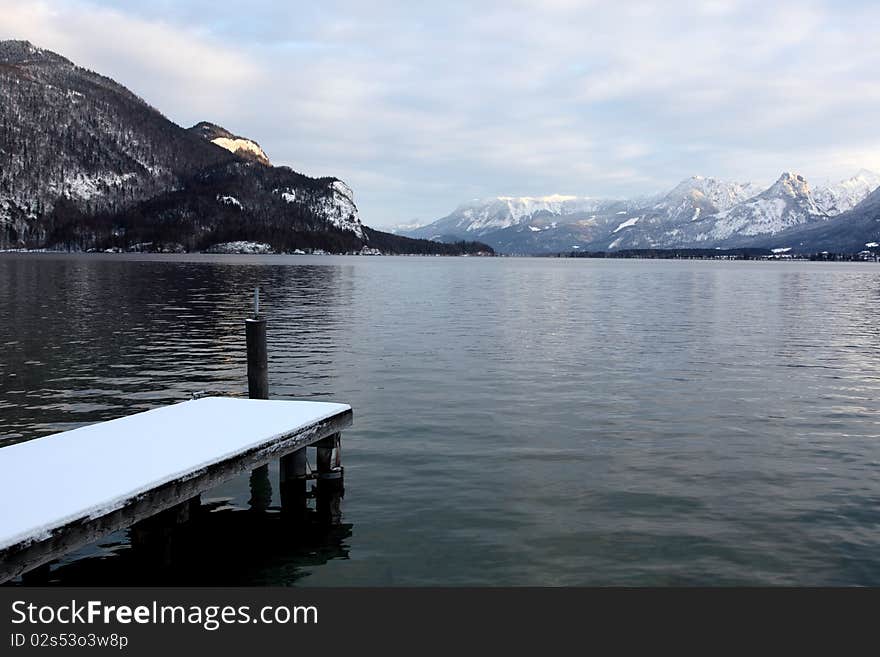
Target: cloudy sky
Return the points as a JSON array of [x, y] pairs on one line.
[[419, 108]]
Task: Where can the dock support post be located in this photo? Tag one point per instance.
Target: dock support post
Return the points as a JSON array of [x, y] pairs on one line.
[[329, 459], [258, 388], [160, 539], [293, 484], [331, 486]]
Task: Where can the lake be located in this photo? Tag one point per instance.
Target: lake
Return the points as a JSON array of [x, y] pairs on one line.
[[518, 421]]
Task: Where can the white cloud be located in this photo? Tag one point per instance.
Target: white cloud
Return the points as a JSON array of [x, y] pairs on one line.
[[421, 106], [177, 69]]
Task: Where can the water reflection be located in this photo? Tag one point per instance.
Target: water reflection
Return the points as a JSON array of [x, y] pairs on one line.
[[219, 546], [87, 340]]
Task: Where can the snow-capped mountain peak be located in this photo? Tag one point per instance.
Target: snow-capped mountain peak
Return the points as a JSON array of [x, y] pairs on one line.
[[848, 193], [499, 212], [699, 211], [400, 229], [791, 185], [786, 203], [700, 196]]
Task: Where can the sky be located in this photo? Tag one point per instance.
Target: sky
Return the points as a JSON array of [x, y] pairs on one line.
[[422, 106]]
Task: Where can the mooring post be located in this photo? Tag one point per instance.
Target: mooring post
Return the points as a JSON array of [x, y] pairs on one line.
[[257, 354], [258, 388]]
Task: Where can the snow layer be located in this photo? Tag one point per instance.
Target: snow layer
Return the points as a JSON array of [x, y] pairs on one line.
[[86, 186], [339, 209], [92, 471], [626, 224], [719, 194], [241, 247], [788, 202], [335, 205], [399, 229]]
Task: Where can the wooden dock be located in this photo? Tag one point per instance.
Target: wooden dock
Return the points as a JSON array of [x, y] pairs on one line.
[[70, 489]]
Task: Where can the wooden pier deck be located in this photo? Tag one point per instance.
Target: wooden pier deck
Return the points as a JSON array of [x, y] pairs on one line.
[[67, 490]]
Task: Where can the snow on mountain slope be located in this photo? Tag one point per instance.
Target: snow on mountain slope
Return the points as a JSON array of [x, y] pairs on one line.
[[87, 164], [626, 224], [73, 142], [698, 212], [849, 232], [788, 202], [402, 229], [676, 216], [699, 195], [337, 207], [340, 210], [847, 194], [505, 211], [482, 216]]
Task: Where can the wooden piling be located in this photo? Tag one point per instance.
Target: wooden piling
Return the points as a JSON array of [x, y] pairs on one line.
[[257, 358], [294, 483], [329, 460], [329, 465], [158, 539], [258, 388], [331, 486]]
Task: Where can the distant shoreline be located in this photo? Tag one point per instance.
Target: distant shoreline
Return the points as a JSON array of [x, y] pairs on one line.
[[840, 257]]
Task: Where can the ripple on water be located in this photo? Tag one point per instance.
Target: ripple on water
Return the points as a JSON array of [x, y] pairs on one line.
[[517, 421]]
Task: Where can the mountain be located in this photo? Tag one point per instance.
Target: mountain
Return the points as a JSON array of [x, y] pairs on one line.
[[847, 194], [561, 223], [699, 212], [849, 232], [399, 229], [485, 216], [700, 196], [69, 134], [677, 217], [788, 202], [87, 164]]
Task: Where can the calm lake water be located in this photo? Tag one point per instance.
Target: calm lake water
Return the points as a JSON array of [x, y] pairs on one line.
[[517, 421]]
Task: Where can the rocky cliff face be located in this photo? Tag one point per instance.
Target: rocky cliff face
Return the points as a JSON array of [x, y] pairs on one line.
[[246, 149]]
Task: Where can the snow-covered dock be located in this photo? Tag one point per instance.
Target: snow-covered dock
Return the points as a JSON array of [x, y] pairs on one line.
[[67, 490]]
